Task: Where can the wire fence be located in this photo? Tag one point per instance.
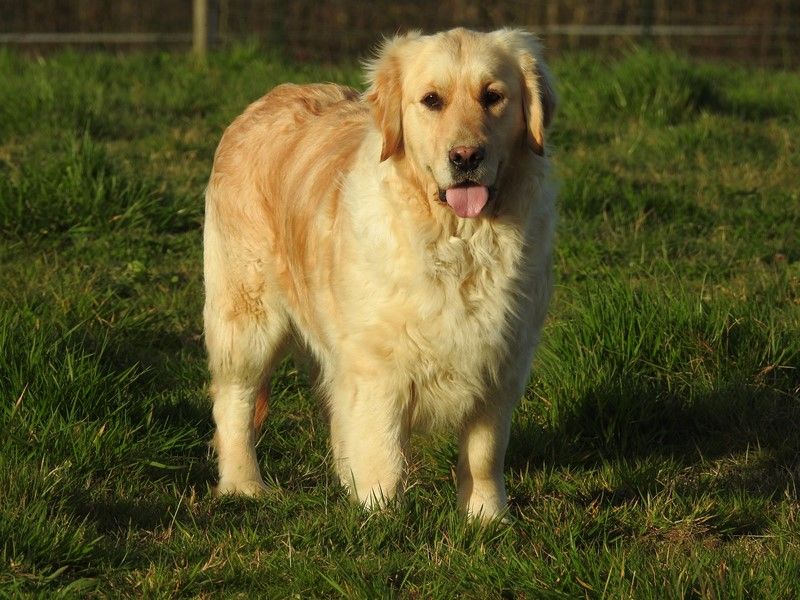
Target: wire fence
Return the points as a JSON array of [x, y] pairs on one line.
[[763, 32]]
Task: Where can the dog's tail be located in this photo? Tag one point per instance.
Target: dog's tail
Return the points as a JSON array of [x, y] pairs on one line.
[[262, 410]]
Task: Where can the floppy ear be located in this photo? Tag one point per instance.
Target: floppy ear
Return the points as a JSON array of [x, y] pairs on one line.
[[538, 94], [385, 92]]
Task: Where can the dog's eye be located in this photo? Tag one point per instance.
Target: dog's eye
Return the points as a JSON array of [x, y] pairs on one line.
[[490, 97], [432, 101]]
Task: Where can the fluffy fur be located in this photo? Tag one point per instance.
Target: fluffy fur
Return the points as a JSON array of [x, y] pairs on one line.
[[331, 226]]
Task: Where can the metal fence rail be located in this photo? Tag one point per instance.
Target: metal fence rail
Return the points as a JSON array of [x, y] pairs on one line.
[[94, 38]]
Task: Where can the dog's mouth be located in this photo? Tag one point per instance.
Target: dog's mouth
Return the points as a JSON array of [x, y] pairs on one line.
[[467, 198]]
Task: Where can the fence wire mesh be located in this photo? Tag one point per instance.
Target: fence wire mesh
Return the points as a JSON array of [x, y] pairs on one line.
[[764, 32]]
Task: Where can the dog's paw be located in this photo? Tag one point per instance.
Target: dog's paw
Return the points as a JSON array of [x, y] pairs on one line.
[[485, 508], [489, 517], [375, 498], [253, 488]]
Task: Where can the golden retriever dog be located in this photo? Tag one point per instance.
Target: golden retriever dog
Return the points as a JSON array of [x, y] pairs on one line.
[[403, 238]]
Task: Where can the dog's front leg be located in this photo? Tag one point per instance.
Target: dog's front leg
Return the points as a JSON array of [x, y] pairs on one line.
[[369, 436], [482, 447]]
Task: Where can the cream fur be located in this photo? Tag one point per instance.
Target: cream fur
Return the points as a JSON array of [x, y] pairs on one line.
[[325, 231]]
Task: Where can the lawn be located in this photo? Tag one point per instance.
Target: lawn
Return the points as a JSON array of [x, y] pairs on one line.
[[656, 453]]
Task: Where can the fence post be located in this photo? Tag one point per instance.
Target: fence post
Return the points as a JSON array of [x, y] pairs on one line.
[[647, 19], [200, 28]]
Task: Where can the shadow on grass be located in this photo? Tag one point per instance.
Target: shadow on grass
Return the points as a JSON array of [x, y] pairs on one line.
[[636, 423], [627, 421], [639, 422]]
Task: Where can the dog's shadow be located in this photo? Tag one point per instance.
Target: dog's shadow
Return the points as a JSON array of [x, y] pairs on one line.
[[734, 439]]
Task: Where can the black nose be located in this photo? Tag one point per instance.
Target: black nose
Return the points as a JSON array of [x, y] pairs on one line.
[[466, 158]]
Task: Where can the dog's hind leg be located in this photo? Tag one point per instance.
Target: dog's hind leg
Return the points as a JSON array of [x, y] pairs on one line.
[[243, 354]]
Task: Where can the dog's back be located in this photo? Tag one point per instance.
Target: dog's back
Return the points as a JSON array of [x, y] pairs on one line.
[[274, 188], [294, 124]]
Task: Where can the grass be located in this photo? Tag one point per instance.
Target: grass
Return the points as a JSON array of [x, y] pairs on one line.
[[656, 453]]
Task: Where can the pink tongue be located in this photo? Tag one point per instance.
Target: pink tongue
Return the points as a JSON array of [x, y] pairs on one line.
[[467, 201]]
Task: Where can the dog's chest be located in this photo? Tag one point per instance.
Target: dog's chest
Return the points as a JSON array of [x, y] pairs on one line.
[[471, 271], [458, 333]]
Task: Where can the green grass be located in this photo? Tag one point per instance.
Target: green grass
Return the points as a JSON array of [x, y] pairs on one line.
[[657, 451]]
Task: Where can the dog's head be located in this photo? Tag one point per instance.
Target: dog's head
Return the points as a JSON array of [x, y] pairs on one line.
[[458, 105]]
